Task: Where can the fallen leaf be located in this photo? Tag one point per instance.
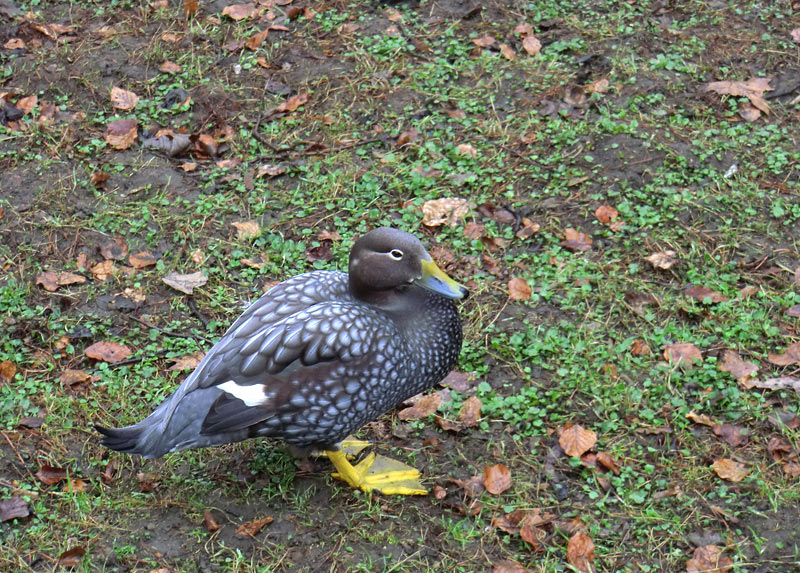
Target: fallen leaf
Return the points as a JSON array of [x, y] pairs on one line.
[[775, 383], [496, 479], [507, 52], [702, 293], [729, 469], [31, 422], [122, 133], [123, 99], [147, 482], [607, 461], [575, 440], [605, 214], [423, 407], [790, 356], [509, 522], [50, 475], [239, 11], [470, 411], [753, 89], [528, 229], [576, 241], [251, 528], [778, 448], [733, 363], [72, 376], [467, 150], [270, 171], [407, 137], [458, 381], [76, 486], [14, 44], [102, 271], [708, 559], [523, 29], [682, 353], [792, 469], [189, 8], [108, 351], [168, 67], [50, 281], [662, 260], [173, 144], [293, 102], [580, 552], [473, 486], [598, 86], [702, 419], [484, 41], [533, 535], [246, 230], [449, 210], [211, 523], [508, 566], [71, 557], [7, 370], [749, 112], [532, 45], [640, 347], [729, 433], [518, 289], [13, 507], [254, 41], [188, 361], [115, 249], [185, 283], [27, 104], [142, 260]]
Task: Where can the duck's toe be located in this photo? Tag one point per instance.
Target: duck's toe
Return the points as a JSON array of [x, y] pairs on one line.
[[378, 473]]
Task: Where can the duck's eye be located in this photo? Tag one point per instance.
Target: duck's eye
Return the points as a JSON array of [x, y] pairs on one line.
[[396, 254]]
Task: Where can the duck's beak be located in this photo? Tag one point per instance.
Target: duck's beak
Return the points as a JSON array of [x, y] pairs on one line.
[[433, 278]]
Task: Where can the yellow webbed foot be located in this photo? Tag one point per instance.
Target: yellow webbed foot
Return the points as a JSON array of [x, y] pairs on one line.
[[377, 473]]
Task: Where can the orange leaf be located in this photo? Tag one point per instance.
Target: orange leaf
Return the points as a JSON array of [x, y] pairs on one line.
[[733, 363], [251, 528], [7, 370], [142, 260], [122, 133], [701, 293], [169, 67], [71, 557], [709, 559], [484, 41], [496, 479], [239, 11], [470, 411], [532, 45], [662, 260], [575, 440], [580, 552], [605, 214], [108, 351], [211, 523], [293, 102], [576, 241], [684, 353], [423, 407], [729, 469], [50, 475], [518, 289], [123, 99], [789, 357]]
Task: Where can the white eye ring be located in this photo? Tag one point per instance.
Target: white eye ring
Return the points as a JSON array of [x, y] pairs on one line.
[[396, 254]]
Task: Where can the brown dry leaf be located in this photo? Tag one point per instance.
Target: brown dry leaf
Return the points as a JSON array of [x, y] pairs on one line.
[[508, 566], [71, 376], [640, 347], [188, 361], [207, 145], [189, 166], [142, 260], [293, 102], [684, 353], [108, 351], [470, 411], [270, 171], [575, 440], [510, 522], [251, 528], [532, 45], [27, 104], [168, 67], [774, 383], [246, 230], [598, 86], [792, 469], [662, 260], [123, 99], [749, 112], [13, 507], [778, 448], [185, 283], [709, 559], [523, 29], [580, 552], [50, 475], [518, 289], [467, 150], [607, 461], [122, 133], [189, 8], [528, 229], [507, 51], [7, 370], [407, 137], [14, 44], [99, 179], [239, 11], [211, 523], [533, 535], [50, 281], [729, 469], [733, 363], [76, 486], [605, 214], [147, 482], [473, 487], [423, 407], [789, 357], [115, 249], [102, 271], [576, 241], [701, 293], [753, 89], [348, 28], [730, 434], [795, 35], [326, 235], [702, 419], [254, 41], [484, 41], [170, 37], [71, 557], [449, 210], [496, 479]]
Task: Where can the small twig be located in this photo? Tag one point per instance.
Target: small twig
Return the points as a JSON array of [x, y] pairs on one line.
[[19, 457], [193, 308], [167, 332]]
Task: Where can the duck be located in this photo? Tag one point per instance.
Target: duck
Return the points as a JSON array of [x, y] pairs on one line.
[[317, 357]]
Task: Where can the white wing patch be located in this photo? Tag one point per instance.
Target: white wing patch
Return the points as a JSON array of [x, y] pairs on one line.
[[250, 394]]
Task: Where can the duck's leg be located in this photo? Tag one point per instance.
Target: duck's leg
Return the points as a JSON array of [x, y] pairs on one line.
[[376, 473]]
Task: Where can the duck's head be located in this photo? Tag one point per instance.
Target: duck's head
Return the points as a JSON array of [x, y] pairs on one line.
[[386, 260]]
